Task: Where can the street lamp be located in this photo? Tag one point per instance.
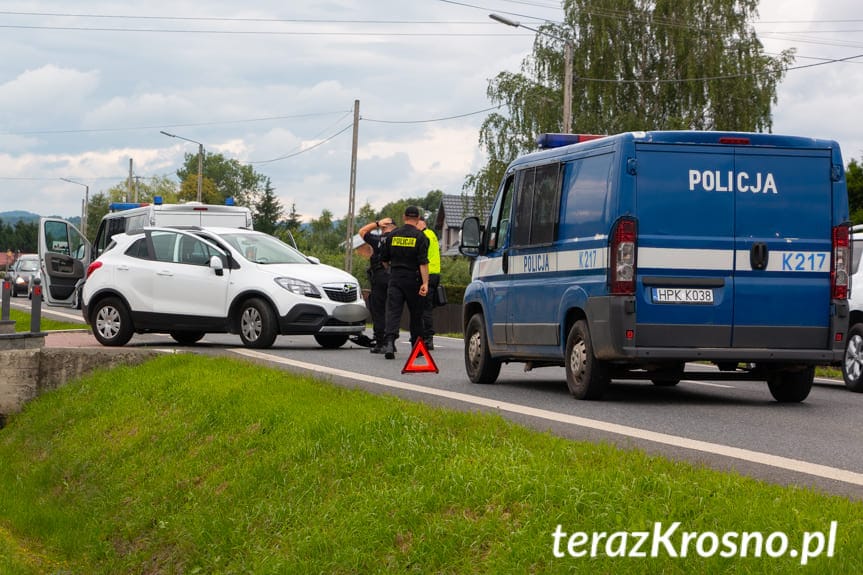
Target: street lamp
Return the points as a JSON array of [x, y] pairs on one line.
[[200, 160], [84, 206], [567, 67]]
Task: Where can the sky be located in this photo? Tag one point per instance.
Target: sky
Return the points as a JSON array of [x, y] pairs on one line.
[[87, 86]]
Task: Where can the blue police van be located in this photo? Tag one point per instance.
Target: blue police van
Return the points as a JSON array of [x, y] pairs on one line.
[[627, 256]]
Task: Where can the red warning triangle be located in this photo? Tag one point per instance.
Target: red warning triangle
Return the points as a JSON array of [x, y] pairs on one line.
[[420, 350]]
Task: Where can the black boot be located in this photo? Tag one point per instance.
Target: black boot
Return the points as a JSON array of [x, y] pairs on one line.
[[429, 343], [389, 349]]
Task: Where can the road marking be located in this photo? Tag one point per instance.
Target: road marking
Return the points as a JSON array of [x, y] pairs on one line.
[[714, 448], [78, 318], [708, 384]]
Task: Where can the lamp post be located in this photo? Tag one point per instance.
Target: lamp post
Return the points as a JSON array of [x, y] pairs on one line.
[[84, 206], [567, 67], [200, 160]]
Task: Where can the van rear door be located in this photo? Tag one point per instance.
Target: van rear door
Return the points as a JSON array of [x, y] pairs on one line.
[[783, 246], [734, 246]]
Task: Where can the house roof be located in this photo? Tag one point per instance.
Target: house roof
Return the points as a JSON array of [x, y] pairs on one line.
[[454, 209]]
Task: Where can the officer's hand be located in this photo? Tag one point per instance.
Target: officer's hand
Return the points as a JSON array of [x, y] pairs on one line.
[[424, 289]]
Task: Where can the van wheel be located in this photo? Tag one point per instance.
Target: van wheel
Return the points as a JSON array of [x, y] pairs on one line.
[[257, 324], [331, 340], [791, 386], [187, 337], [586, 376], [852, 365], [669, 376], [112, 324], [481, 367]]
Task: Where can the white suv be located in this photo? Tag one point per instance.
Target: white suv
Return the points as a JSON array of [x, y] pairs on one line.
[[852, 365], [189, 282]]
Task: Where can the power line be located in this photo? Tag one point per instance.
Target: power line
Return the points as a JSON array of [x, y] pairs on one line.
[[433, 119], [303, 151]]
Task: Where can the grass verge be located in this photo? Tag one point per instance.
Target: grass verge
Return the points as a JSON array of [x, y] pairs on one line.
[[22, 322], [189, 464]]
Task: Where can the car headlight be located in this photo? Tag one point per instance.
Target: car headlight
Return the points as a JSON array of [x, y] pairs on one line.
[[299, 287]]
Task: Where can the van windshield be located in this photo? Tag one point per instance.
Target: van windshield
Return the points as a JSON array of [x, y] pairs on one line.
[[264, 249]]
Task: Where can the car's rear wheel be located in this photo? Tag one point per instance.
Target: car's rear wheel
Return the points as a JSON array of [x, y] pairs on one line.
[[791, 386], [586, 376], [257, 324], [852, 364], [187, 337], [331, 340], [112, 324], [481, 367]]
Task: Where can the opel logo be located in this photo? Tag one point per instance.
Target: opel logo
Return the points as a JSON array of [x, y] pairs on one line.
[[348, 287]]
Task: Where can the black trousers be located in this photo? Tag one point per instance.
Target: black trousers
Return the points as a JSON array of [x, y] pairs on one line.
[[428, 307], [404, 289], [380, 282]]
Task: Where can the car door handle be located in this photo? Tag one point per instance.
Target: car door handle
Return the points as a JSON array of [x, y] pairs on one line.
[[164, 273], [123, 268]]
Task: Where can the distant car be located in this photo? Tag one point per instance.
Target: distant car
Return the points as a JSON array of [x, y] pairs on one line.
[[23, 270], [190, 282], [852, 364]]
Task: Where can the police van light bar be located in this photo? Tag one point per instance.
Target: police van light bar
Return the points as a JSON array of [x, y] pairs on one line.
[[120, 206], [157, 200], [548, 141], [229, 201]]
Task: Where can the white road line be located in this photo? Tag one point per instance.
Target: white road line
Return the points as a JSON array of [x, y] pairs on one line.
[[77, 317], [714, 448], [707, 384]]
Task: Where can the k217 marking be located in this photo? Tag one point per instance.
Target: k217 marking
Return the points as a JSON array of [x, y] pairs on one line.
[[805, 262]]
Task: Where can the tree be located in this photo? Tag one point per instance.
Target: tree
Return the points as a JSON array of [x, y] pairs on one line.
[[222, 179], [639, 65], [854, 180], [267, 210]]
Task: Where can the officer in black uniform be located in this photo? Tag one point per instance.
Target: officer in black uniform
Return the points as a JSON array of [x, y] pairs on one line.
[[379, 278], [406, 252]]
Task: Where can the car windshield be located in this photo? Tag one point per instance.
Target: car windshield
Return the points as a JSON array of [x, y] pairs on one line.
[[28, 266], [264, 249]]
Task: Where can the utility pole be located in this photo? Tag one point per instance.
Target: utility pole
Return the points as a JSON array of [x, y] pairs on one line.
[[129, 182], [349, 241]]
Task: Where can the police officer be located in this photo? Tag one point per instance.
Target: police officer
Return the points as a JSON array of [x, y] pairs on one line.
[[379, 278], [434, 282], [406, 252]]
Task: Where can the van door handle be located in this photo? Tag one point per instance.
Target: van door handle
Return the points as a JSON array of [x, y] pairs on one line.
[[759, 256], [505, 262]]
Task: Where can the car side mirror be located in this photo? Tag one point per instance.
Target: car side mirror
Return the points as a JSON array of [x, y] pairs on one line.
[[471, 237], [216, 265]]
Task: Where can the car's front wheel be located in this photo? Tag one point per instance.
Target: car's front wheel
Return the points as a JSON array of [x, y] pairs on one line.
[[852, 364], [112, 324], [257, 324], [331, 340]]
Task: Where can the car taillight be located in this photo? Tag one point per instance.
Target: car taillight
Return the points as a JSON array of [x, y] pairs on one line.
[[839, 276], [622, 252], [93, 267]]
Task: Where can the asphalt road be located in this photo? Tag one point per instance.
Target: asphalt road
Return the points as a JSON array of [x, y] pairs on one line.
[[728, 425]]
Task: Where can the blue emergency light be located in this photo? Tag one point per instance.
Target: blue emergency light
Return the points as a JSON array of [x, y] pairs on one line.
[[551, 140]]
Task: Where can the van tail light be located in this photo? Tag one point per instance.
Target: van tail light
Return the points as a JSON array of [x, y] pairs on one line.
[[93, 267], [622, 253], [839, 272]]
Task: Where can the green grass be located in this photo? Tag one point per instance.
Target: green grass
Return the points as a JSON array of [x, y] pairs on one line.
[[189, 464], [22, 322]]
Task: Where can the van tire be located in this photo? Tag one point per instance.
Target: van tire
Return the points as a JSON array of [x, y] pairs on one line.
[[481, 367], [257, 323], [852, 363], [789, 386], [586, 376], [112, 324], [187, 337], [331, 340]]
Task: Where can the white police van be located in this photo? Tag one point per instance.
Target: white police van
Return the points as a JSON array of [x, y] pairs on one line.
[[627, 256], [65, 253]]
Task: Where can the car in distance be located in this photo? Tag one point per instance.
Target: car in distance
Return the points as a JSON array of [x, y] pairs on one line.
[[26, 266], [193, 281], [852, 363]]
